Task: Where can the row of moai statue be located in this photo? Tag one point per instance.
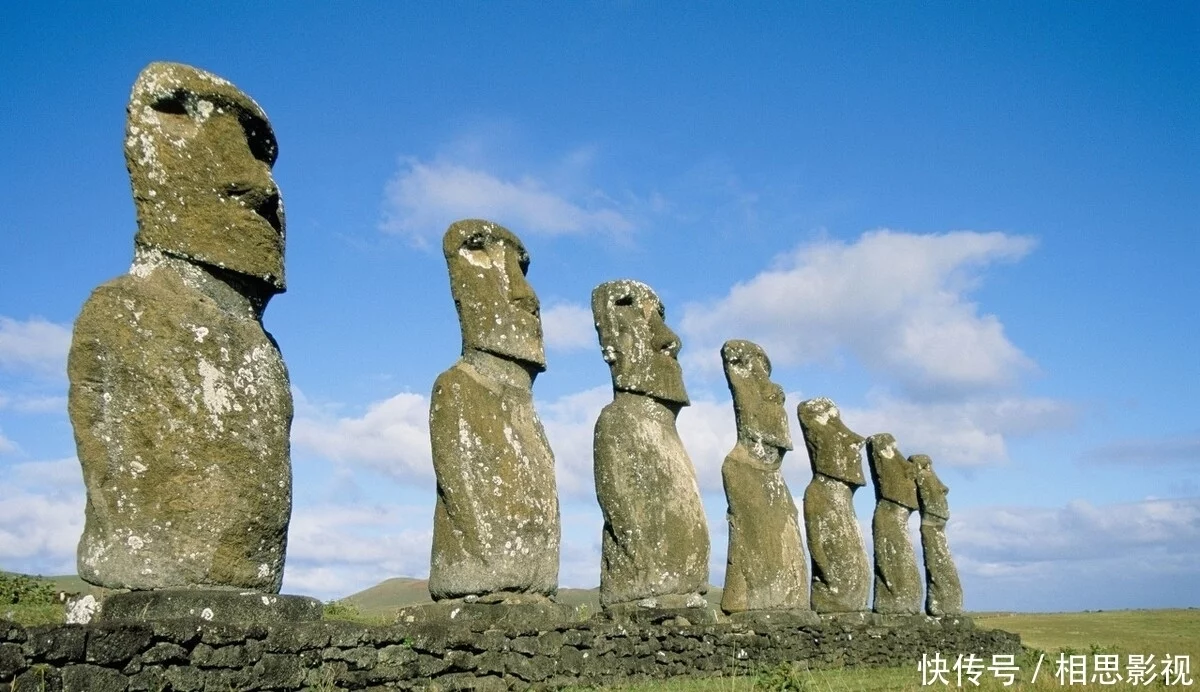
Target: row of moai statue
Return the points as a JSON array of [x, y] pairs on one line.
[[181, 408]]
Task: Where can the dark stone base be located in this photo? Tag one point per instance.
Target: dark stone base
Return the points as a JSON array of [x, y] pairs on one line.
[[796, 618], [955, 621], [855, 618], [905, 620], [640, 614], [194, 655], [521, 615], [211, 605]]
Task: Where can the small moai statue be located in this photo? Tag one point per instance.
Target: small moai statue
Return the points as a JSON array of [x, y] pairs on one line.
[[655, 546], [841, 575], [179, 399], [943, 590], [767, 569], [897, 577], [496, 528]]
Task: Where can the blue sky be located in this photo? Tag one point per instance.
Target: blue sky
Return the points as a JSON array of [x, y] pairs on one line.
[[972, 225]]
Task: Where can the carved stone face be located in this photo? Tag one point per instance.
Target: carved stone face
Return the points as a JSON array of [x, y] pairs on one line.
[[497, 309], [834, 450], [893, 474], [757, 401], [931, 491], [199, 154], [641, 351]]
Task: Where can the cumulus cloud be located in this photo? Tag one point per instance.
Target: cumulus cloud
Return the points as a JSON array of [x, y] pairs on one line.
[[962, 433], [41, 516], [34, 403], [708, 432], [6, 445], [425, 197], [35, 344], [570, 421], [336, 550], [568, 327], [1139, 554], [896, 301], [1180, 449], [391, 436]]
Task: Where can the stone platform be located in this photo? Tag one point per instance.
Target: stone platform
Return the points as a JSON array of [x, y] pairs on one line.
[[211, 605]]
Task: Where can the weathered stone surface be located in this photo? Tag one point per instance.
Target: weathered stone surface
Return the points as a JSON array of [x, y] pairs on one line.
[[515, 616], [210, 605], [496, 523], [178, 397], [897, 577], [655, 539], [199, 153], [841, 575], [462, 655], [943, 590], [766, 567]]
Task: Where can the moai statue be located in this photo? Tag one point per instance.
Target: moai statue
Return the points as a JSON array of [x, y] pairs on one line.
[[766, 569], [897, 577], [178, 398], [655, 544], [496, 523], [943, 590], [841, 575]]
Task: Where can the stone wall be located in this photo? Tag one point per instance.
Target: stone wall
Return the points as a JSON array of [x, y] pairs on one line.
[[191, 656]]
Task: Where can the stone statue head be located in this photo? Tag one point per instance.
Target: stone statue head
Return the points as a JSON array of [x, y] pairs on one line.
[[497, 309], [757, 401], [641, 351], [833, 449], [931, 492], [894, 476], [199, 154]]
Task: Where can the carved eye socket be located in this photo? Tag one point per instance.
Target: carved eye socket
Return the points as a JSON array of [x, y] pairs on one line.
[[475, 241], [624, 301], [260, 138], [174, 103]]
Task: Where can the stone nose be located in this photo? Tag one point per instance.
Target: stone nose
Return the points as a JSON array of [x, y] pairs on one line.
[[664, 339], [261, 198], [519, 291]]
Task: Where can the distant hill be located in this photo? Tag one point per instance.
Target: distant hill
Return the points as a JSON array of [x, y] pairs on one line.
[[390, 594]]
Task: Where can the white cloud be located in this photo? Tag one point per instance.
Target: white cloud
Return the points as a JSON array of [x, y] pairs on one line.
[[1077, 531], [62, 474], [961, 433], [569, 327], [897, 301], [35, 403], [6, 445], [426, 197], [34, 344], [570, 421], [336, 550], [1129, 555], [41, 516], [709, 433], [1148, 451], [392, 436]]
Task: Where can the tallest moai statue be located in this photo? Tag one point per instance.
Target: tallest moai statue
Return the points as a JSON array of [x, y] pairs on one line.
[[178, 397]]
